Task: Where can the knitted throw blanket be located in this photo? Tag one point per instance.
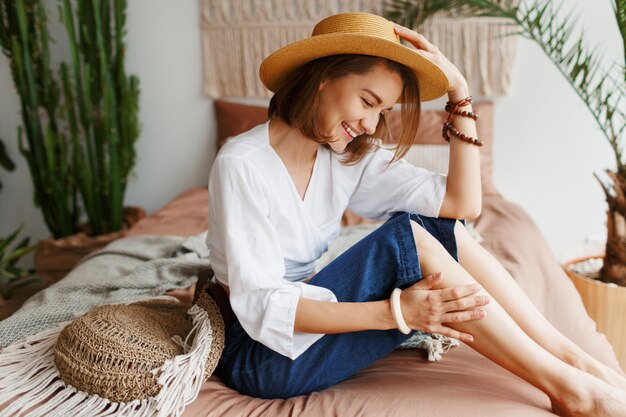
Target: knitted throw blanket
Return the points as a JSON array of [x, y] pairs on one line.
[[145, 267], [127, 270]]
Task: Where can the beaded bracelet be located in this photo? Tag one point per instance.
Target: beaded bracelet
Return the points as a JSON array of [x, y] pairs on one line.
[[455, 111], [449, 128], [463, 113], [465, 102]]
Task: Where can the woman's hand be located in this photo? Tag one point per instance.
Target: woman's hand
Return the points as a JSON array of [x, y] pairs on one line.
[[456, 81], [426, 309]]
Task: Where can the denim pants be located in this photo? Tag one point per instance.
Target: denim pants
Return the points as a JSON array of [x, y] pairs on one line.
[[368, 271]]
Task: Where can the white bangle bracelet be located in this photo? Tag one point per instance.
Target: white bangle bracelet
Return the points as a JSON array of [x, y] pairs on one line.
[[396, 311]]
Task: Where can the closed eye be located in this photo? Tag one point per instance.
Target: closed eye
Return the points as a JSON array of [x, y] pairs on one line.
[[370, 104]]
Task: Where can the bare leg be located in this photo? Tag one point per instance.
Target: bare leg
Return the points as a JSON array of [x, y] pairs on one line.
[[497, 337], [479, 263]]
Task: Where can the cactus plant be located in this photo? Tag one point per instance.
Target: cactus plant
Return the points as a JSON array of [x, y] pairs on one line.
[[24, 39], [102, 106], [80, 137], [5, 161]]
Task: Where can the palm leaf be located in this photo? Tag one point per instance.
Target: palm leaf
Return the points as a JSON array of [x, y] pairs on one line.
[[619, 9], [601, 89]]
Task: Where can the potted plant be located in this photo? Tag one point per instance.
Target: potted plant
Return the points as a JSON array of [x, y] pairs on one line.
[[12, 277], [601, 280], [78, 133]]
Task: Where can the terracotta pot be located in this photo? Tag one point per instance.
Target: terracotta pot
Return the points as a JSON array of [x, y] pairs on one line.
[[55, 258], [606, 305], [19, 296]]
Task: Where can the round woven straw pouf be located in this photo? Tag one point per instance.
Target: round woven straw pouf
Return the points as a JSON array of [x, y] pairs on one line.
[[111, 350], [219, 331]]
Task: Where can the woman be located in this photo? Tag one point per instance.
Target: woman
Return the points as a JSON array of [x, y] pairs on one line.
[[277, 193]]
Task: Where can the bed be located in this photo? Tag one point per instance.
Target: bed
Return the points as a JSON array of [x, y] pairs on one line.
[[405, 383], [462, 383]]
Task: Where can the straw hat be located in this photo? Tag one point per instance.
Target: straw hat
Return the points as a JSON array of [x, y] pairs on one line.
[[353, 33], [112, 350], [147, 358]]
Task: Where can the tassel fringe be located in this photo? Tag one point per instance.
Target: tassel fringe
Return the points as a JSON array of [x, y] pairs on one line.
[[437, 346], [433, 343], [30, 383]]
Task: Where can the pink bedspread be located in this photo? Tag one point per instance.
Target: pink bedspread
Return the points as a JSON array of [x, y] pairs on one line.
[[404, 383]]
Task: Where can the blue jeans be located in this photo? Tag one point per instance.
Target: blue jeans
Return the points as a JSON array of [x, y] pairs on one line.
[[368, 271]]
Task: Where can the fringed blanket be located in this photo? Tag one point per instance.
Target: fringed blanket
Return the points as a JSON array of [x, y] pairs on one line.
[[127, 270]]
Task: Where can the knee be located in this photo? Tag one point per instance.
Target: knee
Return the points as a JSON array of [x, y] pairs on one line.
[[461, 233], [458, 227], [423, 239]]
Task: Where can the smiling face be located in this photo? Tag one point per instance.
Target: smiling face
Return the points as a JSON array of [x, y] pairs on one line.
[[331, 99], [352, 105]]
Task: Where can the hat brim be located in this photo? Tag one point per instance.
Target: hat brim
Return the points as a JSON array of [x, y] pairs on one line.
[[274, 69]]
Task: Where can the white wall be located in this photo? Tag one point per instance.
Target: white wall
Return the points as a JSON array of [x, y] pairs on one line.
[[547, 144]]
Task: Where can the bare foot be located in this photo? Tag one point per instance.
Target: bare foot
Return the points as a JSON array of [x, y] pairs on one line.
[[578, 358], [607, 374], [615, 378], [601, 400]]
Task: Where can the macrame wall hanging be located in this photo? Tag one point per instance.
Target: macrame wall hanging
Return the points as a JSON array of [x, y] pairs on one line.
[[238, 34]]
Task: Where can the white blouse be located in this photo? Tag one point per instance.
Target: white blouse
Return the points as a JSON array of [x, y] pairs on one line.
[[265, 240]]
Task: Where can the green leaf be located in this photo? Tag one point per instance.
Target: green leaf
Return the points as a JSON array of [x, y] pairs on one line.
[[4, 243], [17, 254], [540, 22]]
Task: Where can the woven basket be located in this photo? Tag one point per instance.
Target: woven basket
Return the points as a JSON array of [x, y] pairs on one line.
[[112, 351], [605, 304]]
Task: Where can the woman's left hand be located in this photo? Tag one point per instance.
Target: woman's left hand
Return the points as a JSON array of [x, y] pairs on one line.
[[456, 81]]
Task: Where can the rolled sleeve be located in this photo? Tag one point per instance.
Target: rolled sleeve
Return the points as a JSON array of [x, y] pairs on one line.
[[275, 328]]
